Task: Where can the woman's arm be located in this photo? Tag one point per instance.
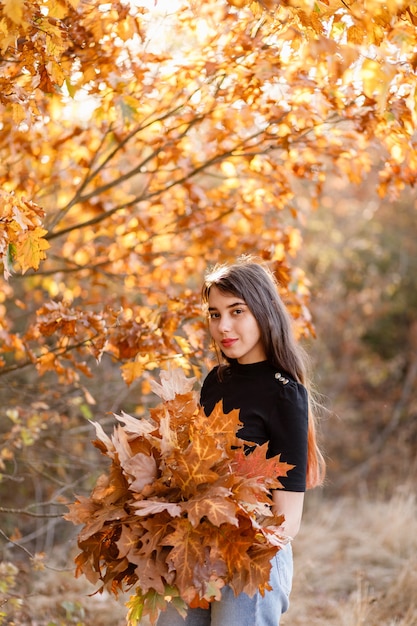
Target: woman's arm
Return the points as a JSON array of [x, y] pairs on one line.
[[289, 504]]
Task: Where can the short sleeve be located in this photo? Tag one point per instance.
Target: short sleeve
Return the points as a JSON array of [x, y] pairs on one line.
[[288, 432]]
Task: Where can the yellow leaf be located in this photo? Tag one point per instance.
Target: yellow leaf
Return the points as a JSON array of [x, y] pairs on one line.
[[14, 10], [131, 371], [57, 75], [18, 112], [238, 3], [376, 80], [183, 344], [371, 76], [413, 105], [355, 34], [30, 251], [55, 42], [126, 29], [46, 363], [7, 38]]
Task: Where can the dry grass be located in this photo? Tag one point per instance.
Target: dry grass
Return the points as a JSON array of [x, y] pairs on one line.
[[355, 565]]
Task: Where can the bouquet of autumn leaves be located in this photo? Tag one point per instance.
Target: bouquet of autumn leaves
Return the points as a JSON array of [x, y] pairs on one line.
[[182, 511]]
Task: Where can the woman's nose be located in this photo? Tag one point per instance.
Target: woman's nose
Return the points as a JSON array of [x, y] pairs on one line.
[[224, 324]]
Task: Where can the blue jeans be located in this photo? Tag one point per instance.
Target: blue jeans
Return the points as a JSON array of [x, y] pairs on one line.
[[242, 610]]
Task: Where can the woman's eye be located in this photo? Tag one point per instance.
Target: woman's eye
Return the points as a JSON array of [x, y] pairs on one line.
[[238, 311], [214, 316]]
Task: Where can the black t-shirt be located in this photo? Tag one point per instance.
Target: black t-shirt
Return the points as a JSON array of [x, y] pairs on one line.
[[272, 407]]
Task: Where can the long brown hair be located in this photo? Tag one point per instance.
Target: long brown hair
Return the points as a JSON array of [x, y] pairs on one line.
[[254, 283]]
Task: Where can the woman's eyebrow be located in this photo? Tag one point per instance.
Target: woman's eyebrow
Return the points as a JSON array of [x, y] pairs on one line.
[[229, 306]]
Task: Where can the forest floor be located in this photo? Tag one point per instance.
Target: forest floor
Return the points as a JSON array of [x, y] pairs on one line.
[[355, 565]]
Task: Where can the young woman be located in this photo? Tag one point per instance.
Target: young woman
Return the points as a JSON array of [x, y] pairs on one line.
[[262, 373]]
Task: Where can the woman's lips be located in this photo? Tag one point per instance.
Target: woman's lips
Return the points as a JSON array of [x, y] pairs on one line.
[[226, 343]]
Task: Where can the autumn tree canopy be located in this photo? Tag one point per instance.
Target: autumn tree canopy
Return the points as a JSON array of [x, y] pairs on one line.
[[142, 141], [139, 144]]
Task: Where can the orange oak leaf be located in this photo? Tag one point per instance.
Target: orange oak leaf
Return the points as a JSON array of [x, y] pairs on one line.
[[110, 488], [128, 540], [185, 554], [247, 579], [155, 529], [222, 426], [152, 574], [257, 464], [189, 469], [98, 517], [214, 505], [232, 545]]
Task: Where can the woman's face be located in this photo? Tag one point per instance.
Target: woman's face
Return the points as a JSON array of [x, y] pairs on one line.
[[234, 328]]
